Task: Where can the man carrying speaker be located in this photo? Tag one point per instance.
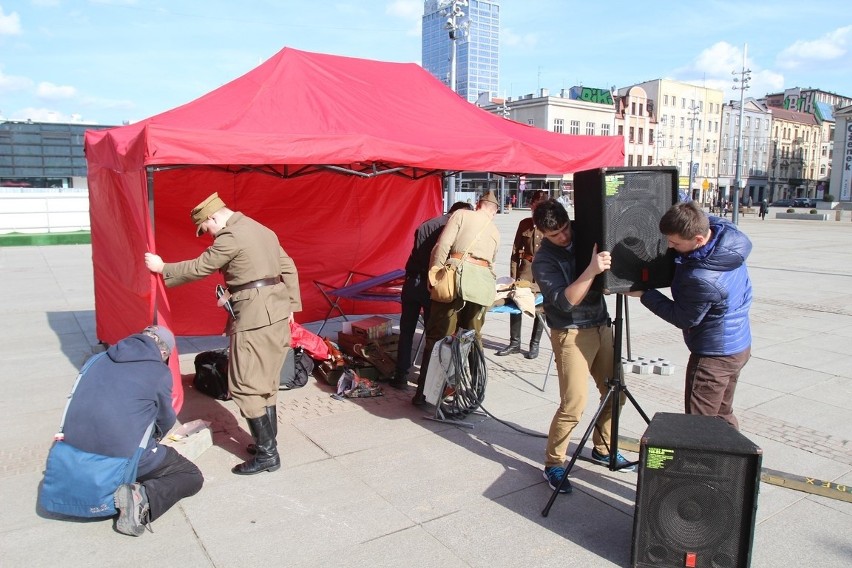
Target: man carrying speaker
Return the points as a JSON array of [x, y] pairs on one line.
[[711, 298], [581, 336], [526, 243]]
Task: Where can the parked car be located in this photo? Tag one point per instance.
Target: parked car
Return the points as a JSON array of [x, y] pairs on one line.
[[803, 202], [782, 203]]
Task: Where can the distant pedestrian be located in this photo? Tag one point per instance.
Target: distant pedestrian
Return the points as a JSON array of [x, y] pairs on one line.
[[764, 208]]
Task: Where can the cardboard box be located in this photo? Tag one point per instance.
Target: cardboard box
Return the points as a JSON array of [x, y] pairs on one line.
[[373, 327]]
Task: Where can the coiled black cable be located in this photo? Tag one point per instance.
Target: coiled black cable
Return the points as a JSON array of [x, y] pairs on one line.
[[465, 389]]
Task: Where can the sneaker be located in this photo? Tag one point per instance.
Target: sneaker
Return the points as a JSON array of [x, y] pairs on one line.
[[554, 475], [620, 461], [132, 504]]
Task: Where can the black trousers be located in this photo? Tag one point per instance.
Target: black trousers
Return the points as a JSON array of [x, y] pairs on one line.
[[174, 479], [414, 299]]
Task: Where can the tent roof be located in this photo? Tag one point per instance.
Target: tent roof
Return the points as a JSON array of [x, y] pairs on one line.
[[301, 108]]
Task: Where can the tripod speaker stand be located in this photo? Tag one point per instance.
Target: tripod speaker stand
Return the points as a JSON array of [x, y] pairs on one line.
[[613, 397]]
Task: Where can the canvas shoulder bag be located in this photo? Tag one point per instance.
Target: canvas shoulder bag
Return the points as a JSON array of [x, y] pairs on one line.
[[445, 279], [82, 484]]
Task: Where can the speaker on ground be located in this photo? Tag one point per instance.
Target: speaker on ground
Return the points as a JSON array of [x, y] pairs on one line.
[[620, 210], [696, 498]]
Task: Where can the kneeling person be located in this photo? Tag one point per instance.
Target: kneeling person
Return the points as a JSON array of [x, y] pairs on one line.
[[120, 395]]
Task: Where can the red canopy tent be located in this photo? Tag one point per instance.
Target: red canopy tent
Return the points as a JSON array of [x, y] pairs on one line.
[[342, 157]]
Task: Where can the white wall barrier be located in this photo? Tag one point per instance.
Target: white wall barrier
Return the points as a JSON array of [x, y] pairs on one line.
[[44, 210]]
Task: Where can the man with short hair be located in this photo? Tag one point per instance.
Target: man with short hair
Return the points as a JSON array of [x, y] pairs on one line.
[[415, 292], [263, 287], [581, 336], [115, 402], [711, 298], [473, 233]]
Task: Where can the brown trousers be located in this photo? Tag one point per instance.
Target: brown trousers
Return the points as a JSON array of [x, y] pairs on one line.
[[710, 385], [254, 366], [446, 319]]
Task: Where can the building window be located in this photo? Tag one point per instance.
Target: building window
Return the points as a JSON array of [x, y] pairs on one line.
[[745, 142], [630, 160], [701, 106], [641, 135], [665, 99], [641, 109], [559, 125], [747, 122], [683, 102], [621, 130], [727, 118], [757, 124], [575, 127], [663, 120], [633, 108], [680, 142], [531, 121], [630, 136], [650, 161], [651, 136], [590, 129], [604, 129]]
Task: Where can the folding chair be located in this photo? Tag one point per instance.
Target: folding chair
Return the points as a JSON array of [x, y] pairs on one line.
[[511, 308], [381, 288]]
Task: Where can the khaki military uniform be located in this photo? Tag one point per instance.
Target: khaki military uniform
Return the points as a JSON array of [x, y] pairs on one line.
[[245, 251], [526, 243], [478, 287]]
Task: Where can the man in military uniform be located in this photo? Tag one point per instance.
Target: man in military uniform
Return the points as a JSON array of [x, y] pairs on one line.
[[526, 243], [474, 232], [263, 288]]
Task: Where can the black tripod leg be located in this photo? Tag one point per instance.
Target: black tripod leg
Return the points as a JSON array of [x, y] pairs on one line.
[[636, 406], [576, 453]]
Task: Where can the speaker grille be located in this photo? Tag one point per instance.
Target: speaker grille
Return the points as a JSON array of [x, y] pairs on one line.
[[620, 210], [697, 494]]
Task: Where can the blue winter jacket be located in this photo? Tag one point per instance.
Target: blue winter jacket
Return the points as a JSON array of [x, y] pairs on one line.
[[118, 398], [712, 294]]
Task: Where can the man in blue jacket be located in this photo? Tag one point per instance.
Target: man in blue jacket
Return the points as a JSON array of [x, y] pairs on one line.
[[115, 402], [711, 297]]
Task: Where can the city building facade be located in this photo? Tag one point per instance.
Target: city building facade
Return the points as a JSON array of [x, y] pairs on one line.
[[688, 121], [577, 111], [756, 144], [636, 121], [43, 154], [841, 174], [476, 35], [795, 147]]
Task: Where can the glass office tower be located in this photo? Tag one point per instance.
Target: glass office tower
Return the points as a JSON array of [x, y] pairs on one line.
[[477, 45]]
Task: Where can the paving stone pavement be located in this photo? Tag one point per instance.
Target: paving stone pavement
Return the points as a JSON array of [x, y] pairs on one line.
[[369, 482]]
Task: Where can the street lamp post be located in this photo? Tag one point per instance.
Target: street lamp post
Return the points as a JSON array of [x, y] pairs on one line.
[[455, 27], [693, 112], [743, 80]]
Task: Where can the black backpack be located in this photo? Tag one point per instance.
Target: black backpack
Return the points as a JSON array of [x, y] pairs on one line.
[[297, 368], [211, 373]]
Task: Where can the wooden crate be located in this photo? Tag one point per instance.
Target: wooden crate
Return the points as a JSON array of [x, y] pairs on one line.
[[348, 341]]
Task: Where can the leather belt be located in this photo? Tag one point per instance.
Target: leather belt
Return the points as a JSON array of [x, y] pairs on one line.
[[255, 284], [471, 259]]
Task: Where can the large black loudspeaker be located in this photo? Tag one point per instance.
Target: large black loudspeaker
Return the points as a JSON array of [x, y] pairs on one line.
[[620, 210], [696, 498]]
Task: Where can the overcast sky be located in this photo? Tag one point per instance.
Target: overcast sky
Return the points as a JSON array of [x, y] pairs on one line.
[[109, 61]]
